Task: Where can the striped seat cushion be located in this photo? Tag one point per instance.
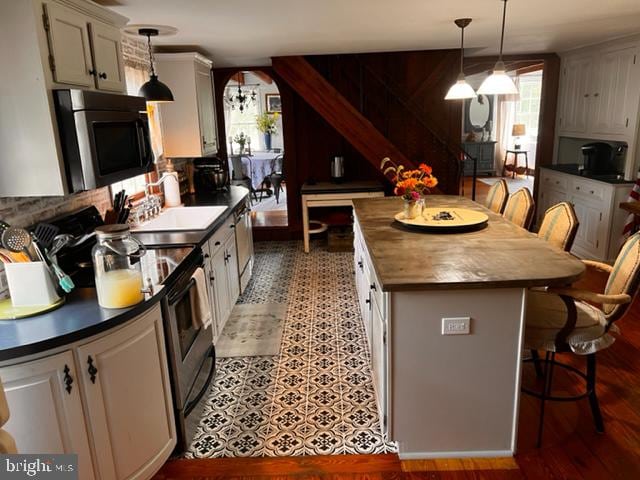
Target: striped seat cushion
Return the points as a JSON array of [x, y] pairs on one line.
[[497, 196], [559, 226], [519, 208]]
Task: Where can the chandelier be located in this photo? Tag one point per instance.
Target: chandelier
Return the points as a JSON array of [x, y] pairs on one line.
[[240, 99]]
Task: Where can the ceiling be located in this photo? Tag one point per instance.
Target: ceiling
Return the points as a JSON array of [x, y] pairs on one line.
[[249, 32]]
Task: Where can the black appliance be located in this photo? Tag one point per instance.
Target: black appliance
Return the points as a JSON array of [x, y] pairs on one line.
[[599, 158], [209, 175], [104, 137]]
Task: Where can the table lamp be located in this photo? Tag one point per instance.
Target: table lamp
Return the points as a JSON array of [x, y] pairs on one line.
[[518, 130]]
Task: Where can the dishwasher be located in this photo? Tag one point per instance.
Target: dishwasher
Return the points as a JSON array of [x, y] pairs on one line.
[[244, 244]]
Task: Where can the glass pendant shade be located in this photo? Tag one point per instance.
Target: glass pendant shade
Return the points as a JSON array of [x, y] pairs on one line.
[[460, 90], [498, 83]]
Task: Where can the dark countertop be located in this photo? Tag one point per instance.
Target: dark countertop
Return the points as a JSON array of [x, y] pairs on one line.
[[232, 199], [82, 317], [497, 256], [573, 169]]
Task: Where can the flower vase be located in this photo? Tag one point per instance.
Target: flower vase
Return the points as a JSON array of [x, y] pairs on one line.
[[267, 141], [411, 209]]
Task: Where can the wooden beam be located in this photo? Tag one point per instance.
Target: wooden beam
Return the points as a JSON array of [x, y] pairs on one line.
[[337, 110], [263, 76]]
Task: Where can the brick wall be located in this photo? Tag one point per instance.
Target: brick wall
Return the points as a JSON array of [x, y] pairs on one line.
[[26, 211]]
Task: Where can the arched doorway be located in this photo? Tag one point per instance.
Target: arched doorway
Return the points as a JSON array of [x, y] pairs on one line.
[[252, 109]]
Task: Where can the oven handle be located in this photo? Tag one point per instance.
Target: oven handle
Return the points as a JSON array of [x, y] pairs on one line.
[[192, 404], [173, 299]]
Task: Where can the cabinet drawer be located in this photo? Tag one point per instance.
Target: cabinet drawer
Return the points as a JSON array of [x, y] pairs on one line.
[[588, 189], [550, 179], [217, 240]]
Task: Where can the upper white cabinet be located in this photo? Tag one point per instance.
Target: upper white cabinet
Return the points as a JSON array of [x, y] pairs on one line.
[[83, 51], [600, 92], [111, 392], [189, 122], [60, 44]]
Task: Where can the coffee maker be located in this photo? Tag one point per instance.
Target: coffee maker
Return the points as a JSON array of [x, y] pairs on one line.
[[598, 159], [209, 175]]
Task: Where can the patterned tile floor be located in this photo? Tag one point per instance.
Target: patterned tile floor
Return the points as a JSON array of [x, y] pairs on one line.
[[317, 396]]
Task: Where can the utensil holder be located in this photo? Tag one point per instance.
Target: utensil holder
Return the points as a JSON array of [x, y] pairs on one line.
[[30, 284]]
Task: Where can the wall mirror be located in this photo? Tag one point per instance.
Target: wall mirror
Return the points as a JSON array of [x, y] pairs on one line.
[[478, 113]]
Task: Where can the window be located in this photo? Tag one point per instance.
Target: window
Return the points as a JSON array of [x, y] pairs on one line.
[[527, 110]]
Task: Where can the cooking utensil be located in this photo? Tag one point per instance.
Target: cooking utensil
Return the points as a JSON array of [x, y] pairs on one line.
[[45, 233], [16, 239], [64, 280], [3, 226], [59, 242]]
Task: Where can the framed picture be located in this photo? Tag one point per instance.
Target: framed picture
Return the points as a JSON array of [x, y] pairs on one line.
[[273, 102]]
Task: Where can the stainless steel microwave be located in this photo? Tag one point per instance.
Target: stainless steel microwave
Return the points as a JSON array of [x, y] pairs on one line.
[[104, 137]]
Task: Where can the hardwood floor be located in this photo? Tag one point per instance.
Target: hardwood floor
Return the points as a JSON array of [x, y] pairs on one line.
[[571, 447], [271, 218]]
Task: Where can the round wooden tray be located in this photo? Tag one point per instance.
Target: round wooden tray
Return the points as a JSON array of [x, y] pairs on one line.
[[443, 219]]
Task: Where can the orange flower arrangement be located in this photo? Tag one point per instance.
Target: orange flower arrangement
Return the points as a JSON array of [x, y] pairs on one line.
[[410, 184]]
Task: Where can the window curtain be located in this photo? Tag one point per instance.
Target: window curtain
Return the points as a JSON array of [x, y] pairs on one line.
[[506, 119]]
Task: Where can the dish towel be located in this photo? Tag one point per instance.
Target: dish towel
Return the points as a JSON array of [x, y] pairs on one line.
[[200, 308]]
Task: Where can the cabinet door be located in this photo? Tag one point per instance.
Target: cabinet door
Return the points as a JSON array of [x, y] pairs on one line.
[[128, 398], [208, 273], [69, 46], [615, 90], [233, 277], [206, 109], [576, 94], [379, 359], [107, 55], [220, 288], [46, 414], [590, 238]]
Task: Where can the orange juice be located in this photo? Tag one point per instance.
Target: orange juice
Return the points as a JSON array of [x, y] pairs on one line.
[[120, 288]]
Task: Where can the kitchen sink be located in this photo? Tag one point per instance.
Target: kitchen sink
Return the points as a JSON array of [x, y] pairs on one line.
[[180, 219]]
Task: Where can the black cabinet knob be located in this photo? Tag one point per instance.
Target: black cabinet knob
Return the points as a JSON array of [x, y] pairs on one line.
[[217, 244], [92, 370], [103, 75], [206, 255], [92, 72], [68, 379]]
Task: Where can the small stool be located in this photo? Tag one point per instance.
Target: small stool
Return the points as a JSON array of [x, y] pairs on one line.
[[320, 228], [513, 167]]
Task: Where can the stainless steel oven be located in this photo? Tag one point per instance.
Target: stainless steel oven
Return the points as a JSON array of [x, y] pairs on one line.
[[104, 137], [191, 353]]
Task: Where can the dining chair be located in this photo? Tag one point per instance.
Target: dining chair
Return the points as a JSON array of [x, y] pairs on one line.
[[497, 196], [238, 177], [519, 208], [276, 178], [567, 320], [559, 226]]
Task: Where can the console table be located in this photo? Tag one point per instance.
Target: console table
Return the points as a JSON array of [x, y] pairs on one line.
[[326, 194]]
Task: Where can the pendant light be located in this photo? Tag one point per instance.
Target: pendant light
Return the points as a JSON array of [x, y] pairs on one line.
[[154, 90], [499, 83], [461, 89]]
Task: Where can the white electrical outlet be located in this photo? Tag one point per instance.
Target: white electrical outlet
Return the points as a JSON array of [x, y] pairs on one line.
[[456, 326]]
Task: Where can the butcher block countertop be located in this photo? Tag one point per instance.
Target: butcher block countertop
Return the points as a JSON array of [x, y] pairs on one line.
[[501, 255]]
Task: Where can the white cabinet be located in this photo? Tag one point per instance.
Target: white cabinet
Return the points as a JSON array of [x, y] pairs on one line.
[[224, 278], [128, 399], [596, 205], [46, 414], [53, 40], [111, 392], [600, 92], [189, 122], [83, 51]]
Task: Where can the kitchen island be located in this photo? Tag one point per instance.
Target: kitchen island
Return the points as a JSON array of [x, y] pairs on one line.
[[444, 315]]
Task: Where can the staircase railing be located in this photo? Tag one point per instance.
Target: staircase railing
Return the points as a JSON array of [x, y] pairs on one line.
[[366, 79]]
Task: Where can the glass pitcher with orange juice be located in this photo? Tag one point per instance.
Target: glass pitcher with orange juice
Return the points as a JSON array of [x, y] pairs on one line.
[[116, 260]]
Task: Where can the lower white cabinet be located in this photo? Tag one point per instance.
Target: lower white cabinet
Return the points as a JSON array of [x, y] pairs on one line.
[[597, 208], [107, 399], [46, 413], [373, 308], [224, 279]]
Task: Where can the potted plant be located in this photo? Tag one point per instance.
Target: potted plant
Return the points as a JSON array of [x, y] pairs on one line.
[[241, 140], [411, 185], [267, 124]]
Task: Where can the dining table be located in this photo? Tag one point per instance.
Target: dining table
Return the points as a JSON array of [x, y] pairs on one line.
[[257, 166]]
